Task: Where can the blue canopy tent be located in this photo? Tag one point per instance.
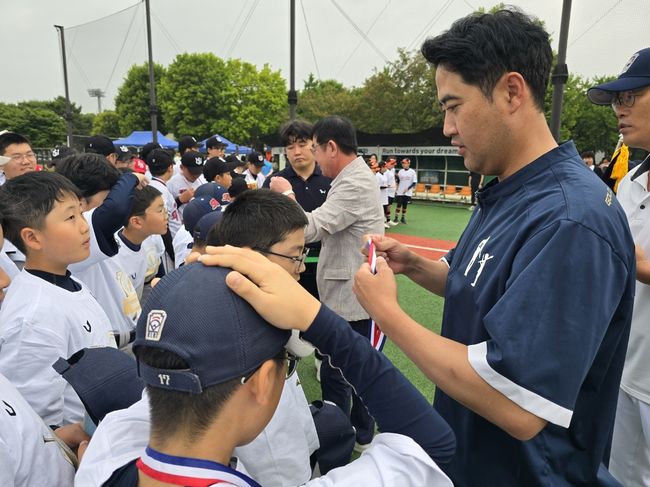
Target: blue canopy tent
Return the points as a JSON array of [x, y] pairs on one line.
[[231, 147], [138, 138]]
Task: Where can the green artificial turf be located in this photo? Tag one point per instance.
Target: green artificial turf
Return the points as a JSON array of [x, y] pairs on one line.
[[424, 220]]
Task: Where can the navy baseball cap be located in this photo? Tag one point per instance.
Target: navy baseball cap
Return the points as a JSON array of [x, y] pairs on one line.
[[61, 151], [146, 149], [197, 208], [237, 187], [215, 166], [213, 190], [193, 314], [214, 141], [193, 161], [104, 378], [159, 159], [123, 153], [100, 144], [205, 224], [187, 142], [256, 159], [635, 75]]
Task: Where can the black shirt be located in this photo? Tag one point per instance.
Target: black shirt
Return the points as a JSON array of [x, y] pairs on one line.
[[310, 193]]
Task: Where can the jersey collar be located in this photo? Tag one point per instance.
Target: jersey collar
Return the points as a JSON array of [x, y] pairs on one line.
[[191, 472]]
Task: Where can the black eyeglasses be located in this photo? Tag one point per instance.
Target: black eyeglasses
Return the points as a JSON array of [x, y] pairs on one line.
[[292, 365], [625, 98], [298, 259]]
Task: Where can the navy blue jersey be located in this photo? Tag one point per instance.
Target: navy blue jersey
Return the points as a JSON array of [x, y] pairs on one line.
[[310, 193], [540, 288]]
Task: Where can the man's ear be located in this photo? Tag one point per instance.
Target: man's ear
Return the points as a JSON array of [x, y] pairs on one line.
[[32, 238], [515, 89]]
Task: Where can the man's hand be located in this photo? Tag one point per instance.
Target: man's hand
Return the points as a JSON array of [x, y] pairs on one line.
[[142, 180], [397, 255], [377, 293], [186, 195], [72, 435], [279, 184], [273, 292]]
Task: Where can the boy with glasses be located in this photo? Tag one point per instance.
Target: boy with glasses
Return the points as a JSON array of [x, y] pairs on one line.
[[22, 158]]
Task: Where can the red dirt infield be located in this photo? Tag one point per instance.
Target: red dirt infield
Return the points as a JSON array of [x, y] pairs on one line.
[[427, 247]]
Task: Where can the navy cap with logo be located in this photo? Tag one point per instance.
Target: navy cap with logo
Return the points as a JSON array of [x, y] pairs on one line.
[[159, 159], [635, 75], [215, 166], [187, 142], [213, 190], [123, 153], [61, 151], [197, 208], [147, 148], [104, 378], [214, 142], [193, 314], [193, 161], [100, 144], [256, 159]]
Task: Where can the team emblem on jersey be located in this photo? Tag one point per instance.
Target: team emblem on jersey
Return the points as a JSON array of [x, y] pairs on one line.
[[480, 257], [214, 204], [155, 324], [608, 197]]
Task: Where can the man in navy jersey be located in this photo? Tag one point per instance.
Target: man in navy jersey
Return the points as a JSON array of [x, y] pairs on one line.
[[530, 358]]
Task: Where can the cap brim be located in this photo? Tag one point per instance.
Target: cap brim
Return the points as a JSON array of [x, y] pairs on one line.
[[604, 94]]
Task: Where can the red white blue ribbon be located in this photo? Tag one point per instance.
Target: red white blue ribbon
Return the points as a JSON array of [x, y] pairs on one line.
[[377, 337], [191, 472]]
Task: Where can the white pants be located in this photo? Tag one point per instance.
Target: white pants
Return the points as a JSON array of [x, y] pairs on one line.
[[630, 458]]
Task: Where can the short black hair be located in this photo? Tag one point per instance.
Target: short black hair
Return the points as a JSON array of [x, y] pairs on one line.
[[142, 199], [259, 218], [9, 138], [173, 412], [295, 130], [339, 129], [588, 153], [26, 200], [482, 47], [91, 173]]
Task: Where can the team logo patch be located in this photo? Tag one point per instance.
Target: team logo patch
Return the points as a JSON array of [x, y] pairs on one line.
[[608, 198], [155, 324], [124, 148], [260, 158], [198, 161], [225, 197], [630, 62], [214, 204], [55, 152]]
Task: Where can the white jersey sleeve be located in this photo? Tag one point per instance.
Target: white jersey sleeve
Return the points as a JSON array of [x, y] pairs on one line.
[[391, 459], [30, 455], [182, 246]]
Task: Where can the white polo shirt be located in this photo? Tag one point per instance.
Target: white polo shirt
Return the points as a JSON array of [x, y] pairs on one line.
[[634, 197], [30, 455], [406, 178]]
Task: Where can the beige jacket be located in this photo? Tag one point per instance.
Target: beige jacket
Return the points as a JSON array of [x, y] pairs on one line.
[[350, 211]]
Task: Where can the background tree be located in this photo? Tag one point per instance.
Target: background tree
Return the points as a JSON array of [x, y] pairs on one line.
[[82, 123], [107, 123], [320, 98], [132, 100], [41, 126]]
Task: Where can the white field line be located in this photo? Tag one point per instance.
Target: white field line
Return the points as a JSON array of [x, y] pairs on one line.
[[427, 248]]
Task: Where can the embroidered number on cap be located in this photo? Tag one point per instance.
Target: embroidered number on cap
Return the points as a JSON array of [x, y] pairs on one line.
[[164, 379]]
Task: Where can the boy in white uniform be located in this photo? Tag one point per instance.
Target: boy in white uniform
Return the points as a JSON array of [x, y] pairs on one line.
[[253, 175], [107, 201], [148, 218], [407, 181], [47, 314], [190, 177], [382, 181]]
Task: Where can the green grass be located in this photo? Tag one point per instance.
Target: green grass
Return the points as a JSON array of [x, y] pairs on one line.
[[433, 220], [424, 220]]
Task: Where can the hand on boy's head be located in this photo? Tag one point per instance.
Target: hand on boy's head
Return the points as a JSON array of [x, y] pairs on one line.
[[268, 288], [279, 184], [142, 180]]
